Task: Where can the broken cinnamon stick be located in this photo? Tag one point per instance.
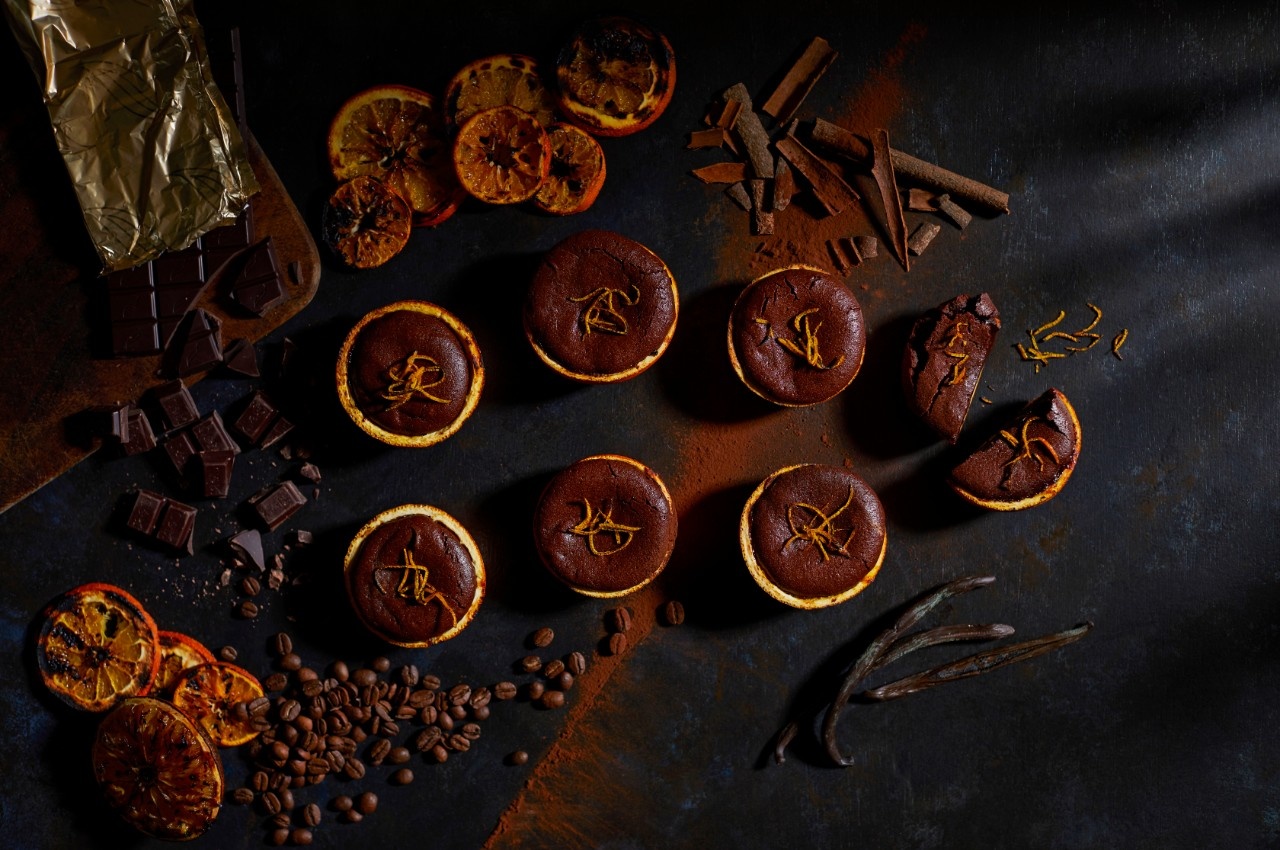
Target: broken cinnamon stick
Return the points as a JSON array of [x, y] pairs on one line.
[[838, 140], [721, 172], [868, 246], [748, 129], [850, 249], [784, 185], [842, 265], [739, 195], [799, 80], [921, 200], [833, 193], [711, 138], [728, 116], [949, 208], [761, 208], [922, 236], [882, 172]]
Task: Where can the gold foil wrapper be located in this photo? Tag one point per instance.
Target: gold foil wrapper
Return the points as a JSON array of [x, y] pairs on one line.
[[149, 142]]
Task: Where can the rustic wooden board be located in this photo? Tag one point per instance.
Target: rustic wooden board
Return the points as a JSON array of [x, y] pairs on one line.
[[54, 355]]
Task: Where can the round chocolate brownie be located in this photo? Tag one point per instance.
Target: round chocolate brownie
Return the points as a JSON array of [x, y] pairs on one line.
[[1027, 462], [796, 336], [605, 526], [409, 374], [943, 361], [813, 535], [414, 576], [602, 308]]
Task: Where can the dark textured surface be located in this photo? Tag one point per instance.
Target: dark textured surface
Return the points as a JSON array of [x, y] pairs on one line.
[[1139, 149]]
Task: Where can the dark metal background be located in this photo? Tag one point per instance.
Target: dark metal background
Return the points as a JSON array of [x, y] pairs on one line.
[[1139, 147]]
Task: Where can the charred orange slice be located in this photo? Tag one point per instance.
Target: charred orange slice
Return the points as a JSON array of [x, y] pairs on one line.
[[178, 652], [97, 646], [210, 694], [366, 223], [577, 172], [615, 76], [397, 134], [507, 79], [158, 770], [502, 155]]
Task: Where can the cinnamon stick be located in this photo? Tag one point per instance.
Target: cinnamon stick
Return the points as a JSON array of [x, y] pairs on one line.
[[799, 80], [882, 172], [784, 185], [833, 193], [868, 246], [750, 132], [949, 208], [710, 138], [922, 236], [761, 214], [738, 193], [721, 172], [850, 145], [850, 249], [921, 200]]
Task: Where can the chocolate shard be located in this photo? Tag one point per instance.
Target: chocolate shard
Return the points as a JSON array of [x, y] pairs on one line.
[[242, 358], [247, 545], [310, 472], [882, 171], [279, 428], [215, 473], [177, 407], [721, 172], [211, 435], [257, 286], [141, 437], [832, 191], [751, 133], [799, 80], [950, 209], [180, 449], [110, 422], [922, 236], [177, 526], [145, 512], [196, 345], [277, 503], [301, 537]]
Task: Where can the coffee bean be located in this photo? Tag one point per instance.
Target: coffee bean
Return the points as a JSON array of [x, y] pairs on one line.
[[479, 697], [564, 681], [444, 720], [409, 675], [381, 664], [398, 755], [281, 820], [250, 586], [426, 739], [403, 776], [618, 619], [300, 836], [352, 816], [259, 780], [617, 643], [471, 731], [228, 653], [281, 644], [367, 803], [354, 768], [534, 690], [427, 715], [530, 664], [270, 803], [364, 678], [378, 752], [259, 707], [286, 799], [279, 837], [504, 690], [279, 782], [576, 663], [552, 699], [673, 613], [542, 638], [459, 694], [279, 753], [342, 803], [458, 712], [340, 671], [275, 682], [289, 710], [389, 728], [458, 743], [291, 661], [317, 766], [518, 758], [247, 609], [553, 668], [305, 674], [312, 689], [481, 713], [242, 796], [430, 682], [439, 753], [311, 815]]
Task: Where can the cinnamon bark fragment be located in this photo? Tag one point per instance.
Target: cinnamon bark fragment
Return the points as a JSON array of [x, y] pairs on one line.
[[868, 246], [921, 200], [784, 185], [950, 209], [922, 236], [850, 145], [833, 193], [882, 172], [850, 249], [799, 80], [710, 138], [837, 256], [761, 214], [728, 116], [738, 193], [748, 129], [721, 172]]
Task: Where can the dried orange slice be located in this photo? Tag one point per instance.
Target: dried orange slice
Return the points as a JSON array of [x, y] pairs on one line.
[[508, 79], [158, 769], [178, 653], [97, 646], [397, 134], [615, 76], [502, 155], [577, 171], [210, 693], [366, 223]]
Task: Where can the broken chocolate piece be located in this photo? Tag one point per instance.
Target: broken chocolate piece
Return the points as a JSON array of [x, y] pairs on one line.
[[197, 344], [248, 545], [882, 172], [215, 472], [750, 132], [945, 354], [310, 472], [145, 512], [953, 211], [921, 200], [256, 418], [257, 286], [110, 422], [180, 449], [761, 217], [176, 405], [211, 435], [177, 525], [279, 428], [799, 80], [277, 503], [922, 236], [141, 437], [242, 358], [832, 192], [721, 172], [301, 537]]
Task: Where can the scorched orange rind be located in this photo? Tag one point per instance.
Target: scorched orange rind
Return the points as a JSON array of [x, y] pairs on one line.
[[615, 76], [178, 652], [502, 155], [397, 134], [577, 172], [158, 770], [508, 79], [366, 223], [97, 646], [210, 694]]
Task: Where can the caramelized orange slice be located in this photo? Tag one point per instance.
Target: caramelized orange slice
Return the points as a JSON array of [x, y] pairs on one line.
[[507, 79], [158, 770], [178, 653], [397, 134], [210, 694], [366, 223], [97, 646], [502, 155], [616, 76], [577, 172]]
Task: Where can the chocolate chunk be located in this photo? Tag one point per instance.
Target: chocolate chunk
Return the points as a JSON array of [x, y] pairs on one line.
[[110, 422], [145, 512], [215, 469], [242, 358], [197, 344], [256, 418], [277, 503], [248, 545], [257, 286], [211, 435], [177, 525], [301, 537], [180, 449], [176, 404], [311, 472], [141, 437]]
